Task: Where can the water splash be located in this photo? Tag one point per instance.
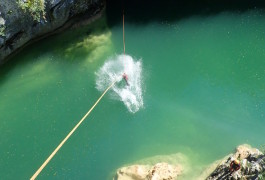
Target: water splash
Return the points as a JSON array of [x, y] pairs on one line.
[[113, 70]]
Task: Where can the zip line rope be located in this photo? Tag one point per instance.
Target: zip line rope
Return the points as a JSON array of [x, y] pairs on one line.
[[123, 35], [71, 132]]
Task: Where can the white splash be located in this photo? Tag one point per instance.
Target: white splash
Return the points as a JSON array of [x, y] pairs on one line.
[[113, 69]]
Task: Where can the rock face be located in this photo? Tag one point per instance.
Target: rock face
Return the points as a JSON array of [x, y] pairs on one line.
[[252, 165], [19, 24], [160, 171]]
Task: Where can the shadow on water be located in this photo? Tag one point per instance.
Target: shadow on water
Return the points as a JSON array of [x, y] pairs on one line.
[[72, 42], [73, 47], [140, 12]]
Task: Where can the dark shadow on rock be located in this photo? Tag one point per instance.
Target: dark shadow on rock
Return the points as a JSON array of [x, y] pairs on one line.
[[140, 11]]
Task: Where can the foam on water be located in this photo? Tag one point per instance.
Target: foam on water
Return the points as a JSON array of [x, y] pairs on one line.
[[112, 70]]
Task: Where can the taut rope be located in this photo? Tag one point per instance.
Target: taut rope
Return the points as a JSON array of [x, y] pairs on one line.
[[123, 35], [71, 132]]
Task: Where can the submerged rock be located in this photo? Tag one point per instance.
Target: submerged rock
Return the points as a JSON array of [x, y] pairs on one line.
[[155, 168], [134, 172], [22, 22], [164, 171], [252, 165], [160, 171]]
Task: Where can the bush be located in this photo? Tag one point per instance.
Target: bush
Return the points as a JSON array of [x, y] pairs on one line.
[[36, 8], [2, 26], [2, 31]]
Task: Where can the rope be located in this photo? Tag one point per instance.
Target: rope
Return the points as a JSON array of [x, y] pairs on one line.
[[123, 34], [71, 132]]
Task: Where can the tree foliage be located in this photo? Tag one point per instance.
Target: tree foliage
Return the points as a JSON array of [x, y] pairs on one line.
[[2, 31], [36, 8], [2, 27]]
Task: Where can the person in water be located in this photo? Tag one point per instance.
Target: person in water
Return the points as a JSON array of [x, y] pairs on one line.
[[125, 77]]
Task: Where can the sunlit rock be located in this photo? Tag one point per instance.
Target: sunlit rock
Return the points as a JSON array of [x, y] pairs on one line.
[[134, 172], [252, 165], [160, 171], [165, 167]]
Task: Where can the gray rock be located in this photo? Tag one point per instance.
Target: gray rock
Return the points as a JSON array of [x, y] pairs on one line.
[[1, 41], [252, 165], [21, 28]]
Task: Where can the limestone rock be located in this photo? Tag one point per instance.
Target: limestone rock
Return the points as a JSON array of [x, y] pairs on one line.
[[18, 27], [164, 171], [160, 171], [243, 151], [134, 172], [162, 167]]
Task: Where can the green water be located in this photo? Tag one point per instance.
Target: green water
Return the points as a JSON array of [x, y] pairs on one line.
[[204, 94]]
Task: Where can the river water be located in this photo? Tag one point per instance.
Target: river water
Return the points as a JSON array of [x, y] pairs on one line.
[[203, 89]]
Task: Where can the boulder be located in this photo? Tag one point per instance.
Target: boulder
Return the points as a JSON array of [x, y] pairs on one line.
[[252, 165], [134, 172], [164, 171], [160, 171], [166, 167]]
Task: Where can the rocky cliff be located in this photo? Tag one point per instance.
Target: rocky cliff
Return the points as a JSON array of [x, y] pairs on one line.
[[23, 21]]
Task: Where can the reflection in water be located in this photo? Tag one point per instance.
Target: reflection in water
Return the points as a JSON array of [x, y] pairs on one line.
[[91, 47]]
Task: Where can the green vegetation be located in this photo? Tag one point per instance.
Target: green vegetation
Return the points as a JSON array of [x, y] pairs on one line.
[[2, 30], [35, 7], [9, 12], [2, 27], [261, 176]]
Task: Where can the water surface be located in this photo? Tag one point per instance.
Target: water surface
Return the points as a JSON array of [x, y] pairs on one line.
[[204, 94]]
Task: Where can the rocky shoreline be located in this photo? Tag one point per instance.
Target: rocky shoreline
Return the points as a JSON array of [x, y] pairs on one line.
[[252, 167], [20, 27]]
